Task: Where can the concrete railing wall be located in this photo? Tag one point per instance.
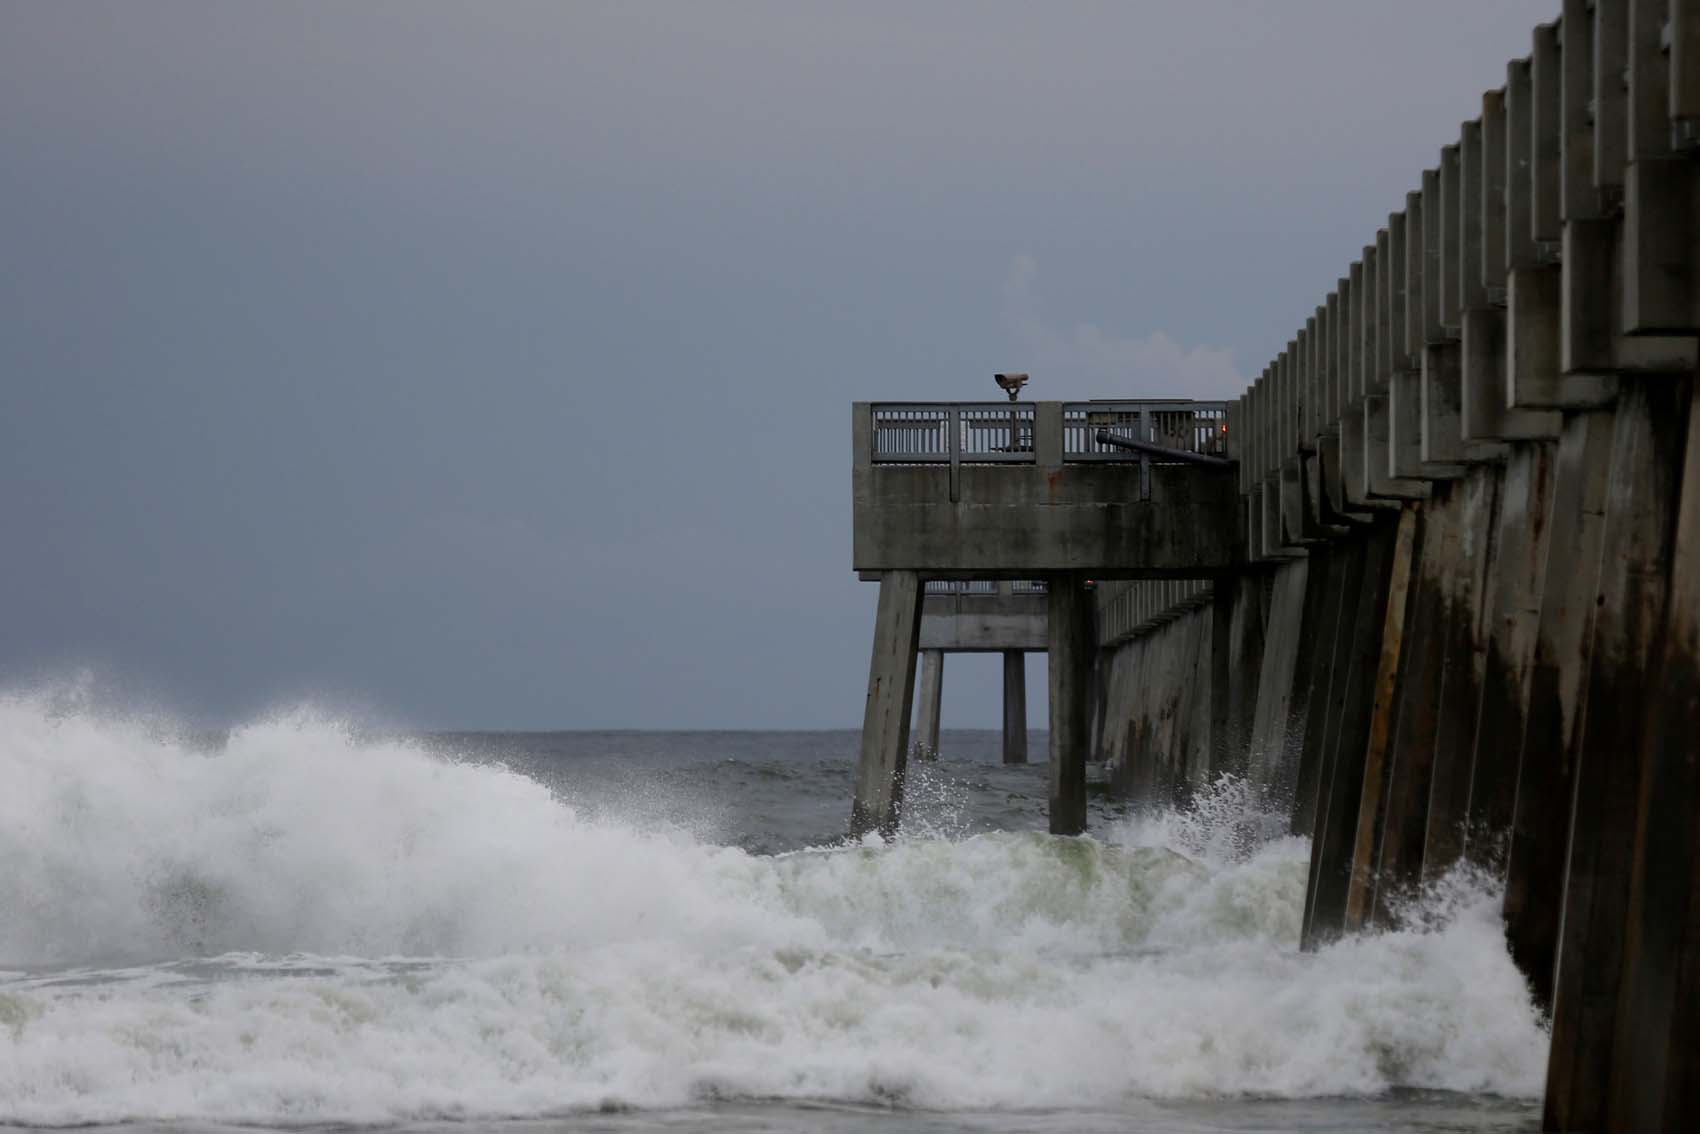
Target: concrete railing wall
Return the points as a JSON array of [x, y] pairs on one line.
[[1128, 608], [1179, 665], [1470, 492]]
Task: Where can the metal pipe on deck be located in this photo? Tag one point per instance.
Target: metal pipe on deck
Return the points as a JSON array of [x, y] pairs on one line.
[[1105, 437]]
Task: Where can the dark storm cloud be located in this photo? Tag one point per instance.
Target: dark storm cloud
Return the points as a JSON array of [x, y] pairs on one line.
[[490, 364]]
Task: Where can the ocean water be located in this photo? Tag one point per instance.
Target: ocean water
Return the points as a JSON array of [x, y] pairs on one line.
[[308, 924]]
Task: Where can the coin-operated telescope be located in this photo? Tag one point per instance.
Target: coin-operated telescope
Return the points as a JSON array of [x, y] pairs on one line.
[[1010, 383]]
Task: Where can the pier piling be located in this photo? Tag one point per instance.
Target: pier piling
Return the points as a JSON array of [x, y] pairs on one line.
[[932, 699], [1070, 665], [885, 719], [1014, 707]]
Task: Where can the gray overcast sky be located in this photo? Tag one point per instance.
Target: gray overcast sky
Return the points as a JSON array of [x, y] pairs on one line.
[[490, 365]]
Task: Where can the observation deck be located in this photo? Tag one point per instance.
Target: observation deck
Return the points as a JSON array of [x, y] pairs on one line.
[[989, 490]]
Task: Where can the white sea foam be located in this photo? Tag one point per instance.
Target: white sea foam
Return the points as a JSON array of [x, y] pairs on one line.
[[579, 964]]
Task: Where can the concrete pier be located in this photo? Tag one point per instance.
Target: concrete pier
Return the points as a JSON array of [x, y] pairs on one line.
[[998, 493], [1448, 614]]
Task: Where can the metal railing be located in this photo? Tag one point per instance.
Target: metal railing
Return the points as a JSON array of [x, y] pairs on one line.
[[983, 587], [1190, 427], [959, 433], [996, 432], [1128, 609], [906, 433], [912, 434], [962, 587]]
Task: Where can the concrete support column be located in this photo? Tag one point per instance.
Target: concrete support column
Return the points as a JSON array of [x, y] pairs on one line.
[[1641, 507], [1514, 607], [1656, 1083], [885, 719], [1333, 573], [1464, 664], [1372, 796], [1099, 702], [1282, 718], [1070, 649], [1237, 625], [1340, 775], [1014, 707], [1410, 760], [1540, 832], [932, 690]]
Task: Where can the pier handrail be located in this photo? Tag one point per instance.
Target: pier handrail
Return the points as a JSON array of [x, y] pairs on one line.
[[984, 587], [952, 433], [1096, 430], [1185, 456], [962, 433]]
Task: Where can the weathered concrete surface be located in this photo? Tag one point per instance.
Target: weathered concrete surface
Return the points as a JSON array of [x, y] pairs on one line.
[[1298, 596], [878, 802], [1357, 650], [1540, 834], [1372, 796], [1028, 520], [1071, 652], [1592, 338], [1238, 617], [1442, 425], [1656, 1069], [1014, 707], [976, 623], [1464, 661], [1486, 415], [1410, 761], [1534, 379], [931, 702], [1651, 421], [1330, 577], [1276, 679], [1514, 609], [1159, 745]]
